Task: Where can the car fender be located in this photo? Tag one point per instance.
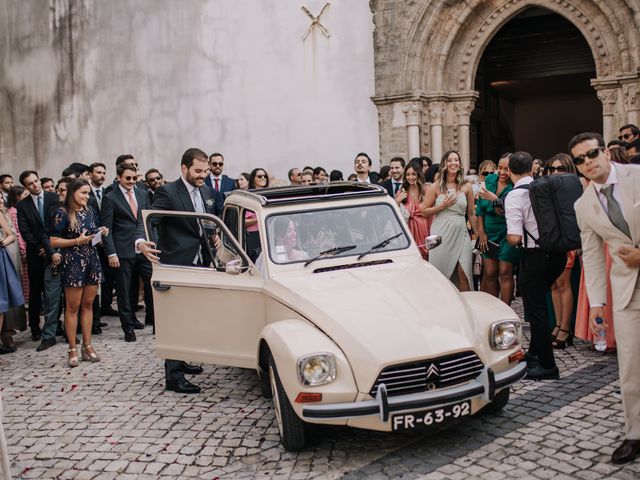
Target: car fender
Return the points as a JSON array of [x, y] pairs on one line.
[[487, 309], [290, 340]]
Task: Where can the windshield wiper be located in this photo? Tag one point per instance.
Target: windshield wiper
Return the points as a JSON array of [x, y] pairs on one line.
[[380, 245], [330, 253]]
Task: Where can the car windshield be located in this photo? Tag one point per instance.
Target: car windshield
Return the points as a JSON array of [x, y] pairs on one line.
[[346, 231]]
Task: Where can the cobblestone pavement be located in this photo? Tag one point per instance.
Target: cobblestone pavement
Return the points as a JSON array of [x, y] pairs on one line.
[[115, 420]]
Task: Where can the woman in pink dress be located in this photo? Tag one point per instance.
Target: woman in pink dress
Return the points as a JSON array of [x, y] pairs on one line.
[[409, 198], [15, 195], [582, 329]]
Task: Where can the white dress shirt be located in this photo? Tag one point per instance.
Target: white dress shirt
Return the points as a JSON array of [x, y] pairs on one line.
[[519, 213]]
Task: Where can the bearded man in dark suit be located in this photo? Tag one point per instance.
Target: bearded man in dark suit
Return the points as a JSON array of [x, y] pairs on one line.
[[179, 239]]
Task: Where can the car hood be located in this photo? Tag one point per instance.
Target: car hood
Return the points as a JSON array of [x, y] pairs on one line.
[[384, 314]]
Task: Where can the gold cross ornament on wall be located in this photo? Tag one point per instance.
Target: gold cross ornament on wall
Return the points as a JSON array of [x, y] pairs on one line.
[[315, 22]]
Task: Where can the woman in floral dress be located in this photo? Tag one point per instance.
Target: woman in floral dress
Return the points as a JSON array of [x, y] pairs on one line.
[[74, 227]]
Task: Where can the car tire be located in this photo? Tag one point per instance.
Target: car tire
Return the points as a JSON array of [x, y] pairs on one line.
[[499, 402], [265, 383], [292, 428]]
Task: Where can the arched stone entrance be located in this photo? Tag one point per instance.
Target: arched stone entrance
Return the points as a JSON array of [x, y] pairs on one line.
[[427, 55]]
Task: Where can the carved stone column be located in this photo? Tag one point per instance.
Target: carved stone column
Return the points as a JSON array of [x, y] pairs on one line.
[[412, 115], [436, 113], [631, 92], [609, 99], [463, 109]]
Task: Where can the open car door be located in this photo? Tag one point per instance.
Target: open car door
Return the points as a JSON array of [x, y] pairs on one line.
[[209, 307]]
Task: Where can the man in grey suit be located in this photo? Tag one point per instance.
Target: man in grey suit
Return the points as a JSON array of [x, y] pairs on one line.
[[609, 212]]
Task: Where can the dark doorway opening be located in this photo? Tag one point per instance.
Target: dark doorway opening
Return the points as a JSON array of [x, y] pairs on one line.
[[534, 83]]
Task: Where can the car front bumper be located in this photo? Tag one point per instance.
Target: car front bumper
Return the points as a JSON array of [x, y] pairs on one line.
[[484, 386]]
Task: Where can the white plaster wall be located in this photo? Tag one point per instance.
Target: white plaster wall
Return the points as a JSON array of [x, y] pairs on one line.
[[157, 76]]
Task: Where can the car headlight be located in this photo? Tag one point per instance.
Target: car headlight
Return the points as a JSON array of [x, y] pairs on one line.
[[506, 334], [317, 369]]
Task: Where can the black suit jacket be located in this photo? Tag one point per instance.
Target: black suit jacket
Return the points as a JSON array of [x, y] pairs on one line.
[[123, 227], [388, 184], [34, 231], [179, 238]]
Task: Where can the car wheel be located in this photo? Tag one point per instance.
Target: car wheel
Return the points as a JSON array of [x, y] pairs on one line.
[[292, 429], [265, 383], [499, 402]]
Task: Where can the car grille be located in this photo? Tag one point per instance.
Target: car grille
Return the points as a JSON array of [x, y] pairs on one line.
[[429, 374]]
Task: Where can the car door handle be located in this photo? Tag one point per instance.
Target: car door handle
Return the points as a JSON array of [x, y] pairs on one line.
[[161, 287]]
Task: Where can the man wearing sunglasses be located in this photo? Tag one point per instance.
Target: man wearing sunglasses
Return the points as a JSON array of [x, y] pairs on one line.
[[629, 133], [216, 180], [607, 212]]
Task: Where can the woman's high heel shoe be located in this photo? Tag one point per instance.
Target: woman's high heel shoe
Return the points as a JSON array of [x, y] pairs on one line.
[[89, 354], [73, 359], [562, 344], [554, 332]]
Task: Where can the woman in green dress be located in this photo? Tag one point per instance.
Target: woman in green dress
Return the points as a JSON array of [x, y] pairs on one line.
[[497, 261]]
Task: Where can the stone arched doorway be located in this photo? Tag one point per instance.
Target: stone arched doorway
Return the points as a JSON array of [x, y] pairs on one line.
[[533, 81], [428, 53]]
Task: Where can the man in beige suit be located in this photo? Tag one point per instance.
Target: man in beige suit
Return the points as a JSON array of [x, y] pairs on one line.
[[609, 211]]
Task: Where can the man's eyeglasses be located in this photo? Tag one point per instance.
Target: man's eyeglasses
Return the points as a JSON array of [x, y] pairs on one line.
[[560, 169], [154, 179], [625, 136], [129, 178], [216, 164], [593, 153]]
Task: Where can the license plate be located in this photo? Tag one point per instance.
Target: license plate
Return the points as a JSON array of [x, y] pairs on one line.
[[435, 416]]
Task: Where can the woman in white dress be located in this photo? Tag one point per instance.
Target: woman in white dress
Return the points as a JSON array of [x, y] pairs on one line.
[[448, 200]]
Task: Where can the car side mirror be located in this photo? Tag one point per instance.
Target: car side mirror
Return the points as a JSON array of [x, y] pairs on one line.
[[432, 241], [234, 267]]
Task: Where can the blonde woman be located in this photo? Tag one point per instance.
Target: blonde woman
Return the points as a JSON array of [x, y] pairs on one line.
[[75, 226], [449, 200]]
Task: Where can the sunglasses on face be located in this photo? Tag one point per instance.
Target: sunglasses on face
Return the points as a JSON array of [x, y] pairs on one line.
[[154, 179], [216, 164], [130, 178], [625, 136], [484, 174], [559, 169], [261, 176], [593, 153]]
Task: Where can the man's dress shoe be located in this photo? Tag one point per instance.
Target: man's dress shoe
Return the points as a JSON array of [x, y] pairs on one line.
[[181, 385], [36, 336], [96, 330], [191, 369], [129, 336], [137, 325], [626, 452], [541, 373], [109, 312], [47, 343]]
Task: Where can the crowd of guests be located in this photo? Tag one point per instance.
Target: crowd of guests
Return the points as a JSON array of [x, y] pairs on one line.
[[61, 241]]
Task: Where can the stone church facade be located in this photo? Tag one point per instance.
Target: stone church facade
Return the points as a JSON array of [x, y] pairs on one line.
[[427, 53]]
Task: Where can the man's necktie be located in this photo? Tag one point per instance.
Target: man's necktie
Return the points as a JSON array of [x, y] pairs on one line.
[[40, 208], [99, 196], [396, 187], [197, 200], [217, 180], [614, 212], [132, 204]]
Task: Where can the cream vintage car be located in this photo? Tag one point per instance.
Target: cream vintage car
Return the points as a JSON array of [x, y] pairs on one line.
[[323, 291]]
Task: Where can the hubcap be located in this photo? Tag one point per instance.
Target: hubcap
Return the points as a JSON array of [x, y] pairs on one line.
[[276, 399]]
